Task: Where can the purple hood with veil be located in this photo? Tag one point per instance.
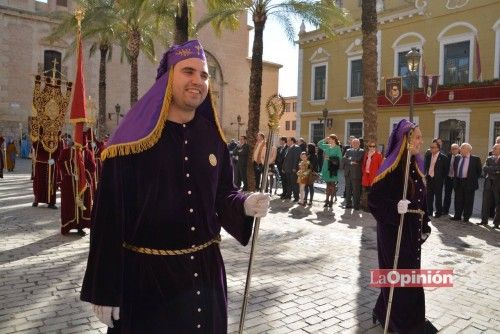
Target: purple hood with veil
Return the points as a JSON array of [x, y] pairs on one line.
[[396, 149], [143, 124]]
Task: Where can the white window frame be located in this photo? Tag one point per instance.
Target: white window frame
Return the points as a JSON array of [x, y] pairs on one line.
[[313, 80], [311, 129], [493, 118], [462, 114], [349, 68], [452, 40], [396, 120], [346, 126], [406, 48], [496, 69]]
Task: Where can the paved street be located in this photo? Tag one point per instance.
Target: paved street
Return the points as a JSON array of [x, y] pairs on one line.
[[311, 272]]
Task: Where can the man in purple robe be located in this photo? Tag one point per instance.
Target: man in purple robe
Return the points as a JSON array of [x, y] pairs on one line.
[[166, 190], [386, 205]]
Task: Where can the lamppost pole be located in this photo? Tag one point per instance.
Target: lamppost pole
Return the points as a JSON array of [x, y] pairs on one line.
[[413, 60], [117, 111], [325, 116], [239, 123], [412, 93]]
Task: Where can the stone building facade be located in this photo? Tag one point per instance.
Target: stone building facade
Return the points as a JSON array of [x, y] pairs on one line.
[[23, 53]]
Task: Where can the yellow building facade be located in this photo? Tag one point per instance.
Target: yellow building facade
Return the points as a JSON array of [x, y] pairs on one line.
[[459, 42]]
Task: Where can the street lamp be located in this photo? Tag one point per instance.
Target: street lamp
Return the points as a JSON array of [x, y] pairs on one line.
[[413, 60], [323, 120], [238, 124], [117, 113]]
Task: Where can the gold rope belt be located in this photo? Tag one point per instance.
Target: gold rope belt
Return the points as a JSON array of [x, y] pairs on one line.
[[154, 251], [420, 212]]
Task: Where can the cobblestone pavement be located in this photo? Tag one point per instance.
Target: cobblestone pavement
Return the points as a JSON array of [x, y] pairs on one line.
[[311, 271]]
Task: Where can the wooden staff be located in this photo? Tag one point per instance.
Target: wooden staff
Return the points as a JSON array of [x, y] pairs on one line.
[[275, 108], [409, 147]]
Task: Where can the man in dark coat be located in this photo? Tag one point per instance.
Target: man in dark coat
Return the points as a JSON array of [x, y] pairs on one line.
[[386, 205], [467, 169], [352, 161], [241, 154], [448, 182], [290, 167], [436, 169], [491, 191], [280, 157], [154, 261]]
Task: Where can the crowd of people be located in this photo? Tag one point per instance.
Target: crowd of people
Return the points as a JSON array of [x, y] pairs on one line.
[[297, 165]]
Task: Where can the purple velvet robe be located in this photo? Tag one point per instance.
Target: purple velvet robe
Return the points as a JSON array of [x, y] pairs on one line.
[[408, 304], [145, 200]]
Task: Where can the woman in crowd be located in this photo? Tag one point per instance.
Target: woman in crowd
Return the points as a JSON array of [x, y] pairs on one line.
[[331, 163]]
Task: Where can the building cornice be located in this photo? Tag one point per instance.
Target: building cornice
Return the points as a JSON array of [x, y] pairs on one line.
[[25, 14], [267, 63], [317, 35]]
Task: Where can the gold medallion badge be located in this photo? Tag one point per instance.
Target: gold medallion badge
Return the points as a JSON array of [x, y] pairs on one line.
[[212, 159]]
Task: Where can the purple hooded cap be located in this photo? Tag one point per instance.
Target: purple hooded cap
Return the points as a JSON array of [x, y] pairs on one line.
[[189, 49], [394, 149], [142, 126]]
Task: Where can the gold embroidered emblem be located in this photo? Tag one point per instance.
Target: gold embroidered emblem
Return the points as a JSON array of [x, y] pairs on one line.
[[212, 159], [184, 52]]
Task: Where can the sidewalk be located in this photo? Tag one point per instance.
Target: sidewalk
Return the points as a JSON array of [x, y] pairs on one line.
[[311, 271]]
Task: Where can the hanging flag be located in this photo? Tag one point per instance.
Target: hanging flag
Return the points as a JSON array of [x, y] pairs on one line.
[[393, 89], [78, 114], [478, 62], [430, 83]]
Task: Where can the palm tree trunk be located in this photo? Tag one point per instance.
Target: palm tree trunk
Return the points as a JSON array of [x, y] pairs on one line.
[[133, 49], [369, 29], [182, 23], [259, 20], [101, 117]]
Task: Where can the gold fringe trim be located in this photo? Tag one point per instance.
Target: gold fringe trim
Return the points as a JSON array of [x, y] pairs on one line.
[[152, 138], [217, 118], [394, 164], [78, 120]]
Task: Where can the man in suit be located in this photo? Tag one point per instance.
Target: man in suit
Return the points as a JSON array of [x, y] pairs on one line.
[[352, 162], [290, 167], [491, 192], [448, 182], [280, 156], [467, 172], [436, 168]]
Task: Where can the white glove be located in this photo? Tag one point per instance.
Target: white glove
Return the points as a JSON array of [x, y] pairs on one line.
[[51, 161], [256, 205], [106, 314], [403, 206]]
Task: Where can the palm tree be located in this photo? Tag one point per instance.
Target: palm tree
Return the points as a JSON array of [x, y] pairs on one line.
[[369, 45], [182, 19], [139, 23], [322, 14], [96, 27]]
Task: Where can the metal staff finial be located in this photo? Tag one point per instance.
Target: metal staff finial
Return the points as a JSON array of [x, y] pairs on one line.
[[275, 108], [409, 147], [79, 15]]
